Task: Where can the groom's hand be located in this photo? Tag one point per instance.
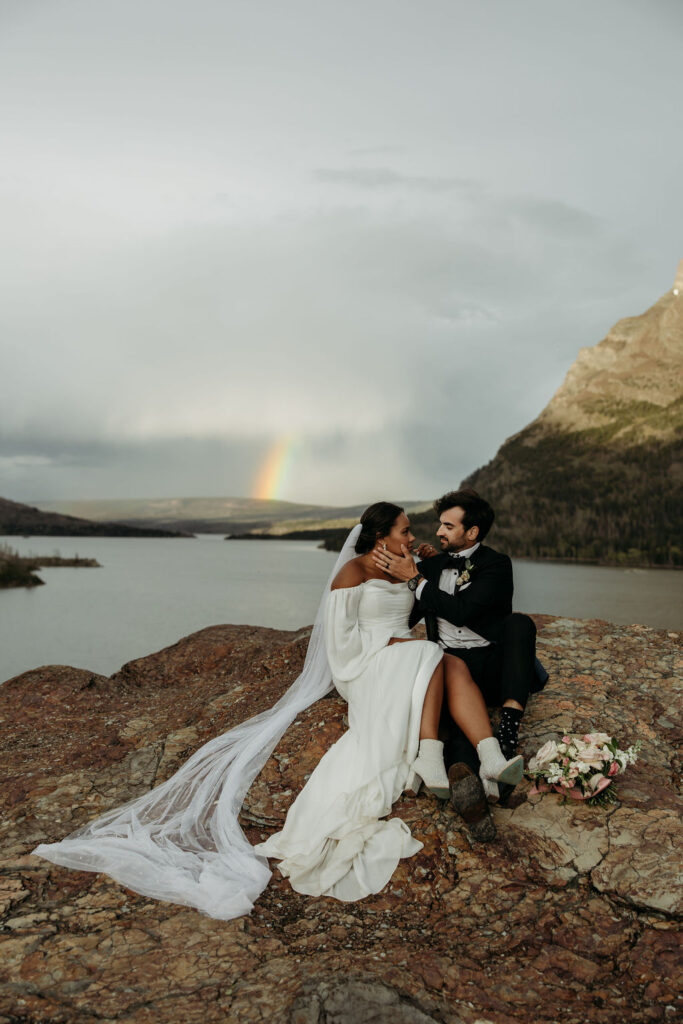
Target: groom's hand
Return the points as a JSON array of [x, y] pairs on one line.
[[401, 567]]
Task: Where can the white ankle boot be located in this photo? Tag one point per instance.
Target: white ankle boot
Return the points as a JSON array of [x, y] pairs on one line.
[[494, 766], [430, 769], [491, 790]]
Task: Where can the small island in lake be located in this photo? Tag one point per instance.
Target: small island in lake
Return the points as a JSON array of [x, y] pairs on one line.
[[24, 520], [20, 570]]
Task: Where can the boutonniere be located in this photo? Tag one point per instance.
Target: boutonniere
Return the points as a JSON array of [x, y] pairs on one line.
[[464, 576]]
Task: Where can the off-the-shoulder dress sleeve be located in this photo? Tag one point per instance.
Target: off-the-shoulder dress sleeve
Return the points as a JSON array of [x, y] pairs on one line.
[[349, 647]]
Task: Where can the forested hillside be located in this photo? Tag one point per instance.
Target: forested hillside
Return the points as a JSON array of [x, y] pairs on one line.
[[599, 474]]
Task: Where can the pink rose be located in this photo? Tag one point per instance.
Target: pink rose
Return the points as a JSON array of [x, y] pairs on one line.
[[566, 739], [613, 768]]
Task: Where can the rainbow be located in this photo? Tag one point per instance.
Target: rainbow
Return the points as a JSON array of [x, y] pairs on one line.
[[272, 473]]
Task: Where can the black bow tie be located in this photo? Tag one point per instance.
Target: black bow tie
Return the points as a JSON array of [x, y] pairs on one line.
[[455, 562]]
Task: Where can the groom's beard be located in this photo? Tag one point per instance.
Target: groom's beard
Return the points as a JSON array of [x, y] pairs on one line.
[[454, 548]]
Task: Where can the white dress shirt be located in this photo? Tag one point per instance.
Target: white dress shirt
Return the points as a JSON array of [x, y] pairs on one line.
[[450, 635]]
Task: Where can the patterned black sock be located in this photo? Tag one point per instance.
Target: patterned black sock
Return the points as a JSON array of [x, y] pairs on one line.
[[507, 732]]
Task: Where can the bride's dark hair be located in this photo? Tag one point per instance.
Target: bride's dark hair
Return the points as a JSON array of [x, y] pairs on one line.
[[376, 522]]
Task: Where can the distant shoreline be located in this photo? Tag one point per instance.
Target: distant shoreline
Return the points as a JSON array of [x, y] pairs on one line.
[[594, 561], [333, 539]]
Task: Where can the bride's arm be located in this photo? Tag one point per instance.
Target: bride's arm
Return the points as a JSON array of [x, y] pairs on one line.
[[343, 640]]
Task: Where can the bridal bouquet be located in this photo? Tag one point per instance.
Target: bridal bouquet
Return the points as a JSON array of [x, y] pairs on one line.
[[580, 767]]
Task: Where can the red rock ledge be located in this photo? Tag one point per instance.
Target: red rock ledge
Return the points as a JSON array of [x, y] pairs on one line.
[[570, 916]]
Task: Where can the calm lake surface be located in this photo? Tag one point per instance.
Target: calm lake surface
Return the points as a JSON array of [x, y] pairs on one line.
[[150, 592]]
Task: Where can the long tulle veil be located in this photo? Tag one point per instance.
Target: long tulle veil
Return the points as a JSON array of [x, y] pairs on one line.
[[182, 841]]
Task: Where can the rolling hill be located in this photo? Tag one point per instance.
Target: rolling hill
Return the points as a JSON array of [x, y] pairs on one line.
[[25, 520]]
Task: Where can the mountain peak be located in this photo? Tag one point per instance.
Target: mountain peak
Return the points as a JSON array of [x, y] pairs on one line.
[[598, 475], [636, 369], [678, 282]]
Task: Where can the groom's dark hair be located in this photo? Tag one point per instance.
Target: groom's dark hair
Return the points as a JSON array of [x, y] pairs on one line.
[[376, 521], [477, 511]]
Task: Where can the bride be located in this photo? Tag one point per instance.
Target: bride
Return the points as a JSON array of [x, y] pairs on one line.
[[182, 841]]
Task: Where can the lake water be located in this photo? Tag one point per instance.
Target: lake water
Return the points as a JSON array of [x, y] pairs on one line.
[[150, 592]]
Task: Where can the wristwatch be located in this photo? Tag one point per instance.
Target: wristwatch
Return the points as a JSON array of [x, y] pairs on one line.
[[414, 583]]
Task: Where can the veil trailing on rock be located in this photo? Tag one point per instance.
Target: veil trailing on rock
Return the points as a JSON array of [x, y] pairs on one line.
[[182, 841]]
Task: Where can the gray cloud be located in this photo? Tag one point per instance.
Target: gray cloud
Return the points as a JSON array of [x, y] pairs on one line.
[[245, 222], [64, 468], [384, 177], [554, 217], [319, 327], [387, 149]]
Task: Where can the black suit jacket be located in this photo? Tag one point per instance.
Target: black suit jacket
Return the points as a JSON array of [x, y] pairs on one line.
[[481, 606]]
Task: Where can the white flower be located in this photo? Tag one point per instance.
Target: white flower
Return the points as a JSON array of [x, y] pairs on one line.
[[593, 757], [545, 755]]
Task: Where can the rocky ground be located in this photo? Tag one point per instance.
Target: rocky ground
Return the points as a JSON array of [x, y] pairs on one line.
[[570, 916]]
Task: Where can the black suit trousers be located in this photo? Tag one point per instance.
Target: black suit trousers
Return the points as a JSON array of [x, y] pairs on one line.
[[503, 671]]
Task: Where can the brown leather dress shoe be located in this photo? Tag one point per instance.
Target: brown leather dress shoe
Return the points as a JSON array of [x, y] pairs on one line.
[[469, 800]]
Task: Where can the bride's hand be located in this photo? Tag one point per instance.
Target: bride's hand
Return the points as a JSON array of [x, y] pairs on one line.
[[401, 567], [426, 551]]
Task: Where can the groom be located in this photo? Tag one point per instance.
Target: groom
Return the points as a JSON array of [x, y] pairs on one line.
[[465, 595]]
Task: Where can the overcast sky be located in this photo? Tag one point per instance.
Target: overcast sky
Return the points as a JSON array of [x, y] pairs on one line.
[[379, 228]]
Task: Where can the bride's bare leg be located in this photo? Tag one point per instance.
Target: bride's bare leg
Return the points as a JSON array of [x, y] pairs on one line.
[[428, 766], [431, 709], [465, 701]]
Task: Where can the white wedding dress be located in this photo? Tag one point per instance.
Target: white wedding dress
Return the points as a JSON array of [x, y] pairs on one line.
[[333, 842], [182, 841]]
